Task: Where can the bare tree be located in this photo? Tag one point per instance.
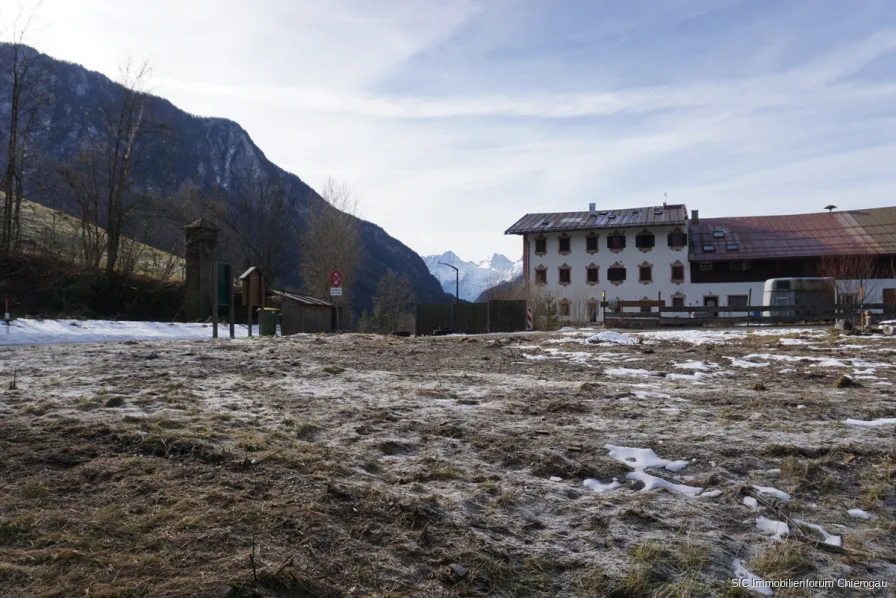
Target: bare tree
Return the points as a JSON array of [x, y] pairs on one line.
[[392, 302], [25, 74], [260, 223], [856, 276], [331, 240]]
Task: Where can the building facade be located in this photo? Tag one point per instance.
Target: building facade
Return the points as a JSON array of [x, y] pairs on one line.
[[660, 253]]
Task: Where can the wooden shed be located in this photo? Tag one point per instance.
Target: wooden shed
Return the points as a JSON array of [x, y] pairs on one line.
[[301, 313]]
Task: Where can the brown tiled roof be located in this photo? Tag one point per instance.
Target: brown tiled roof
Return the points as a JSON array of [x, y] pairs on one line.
[[569, 221], [870, 231]]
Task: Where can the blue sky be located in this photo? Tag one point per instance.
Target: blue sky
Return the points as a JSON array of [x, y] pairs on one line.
[[452, 119]]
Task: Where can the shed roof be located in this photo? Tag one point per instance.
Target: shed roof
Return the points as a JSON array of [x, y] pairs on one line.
[[668, 215], [250, 271], [871, 231], [304, 299]]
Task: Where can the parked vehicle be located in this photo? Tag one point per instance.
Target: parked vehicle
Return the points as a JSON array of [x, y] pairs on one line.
[[807, 293]]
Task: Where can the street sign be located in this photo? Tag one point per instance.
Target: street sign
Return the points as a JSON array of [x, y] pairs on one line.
[[335, 291], [336, 279]]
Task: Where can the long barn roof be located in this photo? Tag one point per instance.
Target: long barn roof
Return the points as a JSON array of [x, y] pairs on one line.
[[669, 215], [871, 231]]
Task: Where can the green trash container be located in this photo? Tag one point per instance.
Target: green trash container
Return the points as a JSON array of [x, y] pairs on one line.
[[267, 322]]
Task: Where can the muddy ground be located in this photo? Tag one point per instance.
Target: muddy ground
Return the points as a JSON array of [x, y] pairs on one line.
[[374, 466]]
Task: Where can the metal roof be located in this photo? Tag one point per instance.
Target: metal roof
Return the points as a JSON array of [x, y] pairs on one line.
[[306, 299], [668, 215], [852, 232]]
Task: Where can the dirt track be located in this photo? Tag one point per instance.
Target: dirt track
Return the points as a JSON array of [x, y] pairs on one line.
[[369, 466]]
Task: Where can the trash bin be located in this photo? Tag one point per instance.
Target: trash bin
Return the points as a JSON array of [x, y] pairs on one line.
[[267, 321]]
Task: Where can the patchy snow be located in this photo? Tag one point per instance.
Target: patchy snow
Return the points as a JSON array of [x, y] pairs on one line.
[[779, 529], [751, 502], [652, 482], [640, 459], [860, 514], [711, 494], [829, 539], [773, 491], [744, 363], [598, 487], [871, 423], [626, 372], [612, 337], [749, 580], [694, 376], [829, 363], [554, 478], [696, 365], [646, 394], [50, 332]]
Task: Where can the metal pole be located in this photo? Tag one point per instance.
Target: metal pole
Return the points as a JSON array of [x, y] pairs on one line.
[[456, 282]]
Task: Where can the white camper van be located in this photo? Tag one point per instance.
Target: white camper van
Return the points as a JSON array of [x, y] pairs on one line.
[[798, 292]]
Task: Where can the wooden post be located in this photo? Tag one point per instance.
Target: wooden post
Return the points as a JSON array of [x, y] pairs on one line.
[[214, 299], [232, 313]]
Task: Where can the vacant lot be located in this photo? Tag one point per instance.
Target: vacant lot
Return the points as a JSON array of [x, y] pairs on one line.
[[368, 466]]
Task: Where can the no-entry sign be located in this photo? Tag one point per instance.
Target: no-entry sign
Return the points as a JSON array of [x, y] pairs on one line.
[[336, 278]]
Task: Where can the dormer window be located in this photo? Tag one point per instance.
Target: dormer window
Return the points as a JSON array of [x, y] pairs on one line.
[[718, 234], [732, 247], [709, 249]]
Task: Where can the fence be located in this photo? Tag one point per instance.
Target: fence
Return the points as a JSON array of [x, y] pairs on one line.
[[471, 318], [751, 314]]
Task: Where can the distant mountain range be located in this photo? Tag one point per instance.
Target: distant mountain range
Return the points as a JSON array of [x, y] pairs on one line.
[[215, 154], [475, 277]]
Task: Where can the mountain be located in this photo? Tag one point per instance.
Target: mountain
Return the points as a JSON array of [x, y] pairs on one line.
[[215, 155], [475, 277]]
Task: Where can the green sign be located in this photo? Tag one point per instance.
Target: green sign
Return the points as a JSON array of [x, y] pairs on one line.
[[225, 283]]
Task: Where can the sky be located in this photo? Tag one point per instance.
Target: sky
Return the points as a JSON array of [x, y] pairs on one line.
[[451, 119]]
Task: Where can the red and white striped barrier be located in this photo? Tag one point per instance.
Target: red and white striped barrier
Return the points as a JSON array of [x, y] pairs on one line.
[[529, 324]]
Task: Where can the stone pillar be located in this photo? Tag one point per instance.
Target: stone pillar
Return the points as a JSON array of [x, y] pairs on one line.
[[201, 243]]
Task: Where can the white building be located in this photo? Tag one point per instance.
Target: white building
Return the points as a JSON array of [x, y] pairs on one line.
[[659, 253], [633, 254]]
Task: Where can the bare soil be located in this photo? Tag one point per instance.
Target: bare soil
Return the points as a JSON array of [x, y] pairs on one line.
[[360, 465]]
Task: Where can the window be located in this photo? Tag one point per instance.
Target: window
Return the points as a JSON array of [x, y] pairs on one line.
[[645, 309], [678, 273], [616, 242], [591, 243], [645, 274], [782, 285], [737, 300], [709, 248], [564, 309], [739, 265], [732, 246], [677, 301], [541, 276], [677, 239], [616, 274], [718, 234], [645, 240], [541, 245], [565, 277], [591, 276], [564, 244], [705, 266]]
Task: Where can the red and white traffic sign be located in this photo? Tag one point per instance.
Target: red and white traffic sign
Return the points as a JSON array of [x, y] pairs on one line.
[[336, 278]]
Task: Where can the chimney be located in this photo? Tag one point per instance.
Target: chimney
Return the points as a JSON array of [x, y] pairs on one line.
[[695, 216], [592, 208]]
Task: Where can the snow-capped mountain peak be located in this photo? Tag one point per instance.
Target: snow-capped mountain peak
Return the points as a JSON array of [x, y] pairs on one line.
[[474, 277]]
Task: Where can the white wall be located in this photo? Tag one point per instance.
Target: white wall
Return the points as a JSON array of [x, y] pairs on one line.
[[661, 257]]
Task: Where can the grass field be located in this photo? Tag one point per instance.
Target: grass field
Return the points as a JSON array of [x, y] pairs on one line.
[[47, 231], [358, 465]]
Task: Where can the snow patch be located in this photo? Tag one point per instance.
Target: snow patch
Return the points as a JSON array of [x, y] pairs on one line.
[[779, 529], [640, 459]]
